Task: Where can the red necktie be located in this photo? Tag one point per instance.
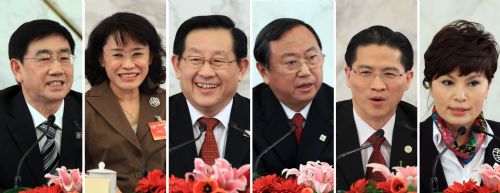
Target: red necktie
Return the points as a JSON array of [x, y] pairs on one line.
[[298, 120], [376, 157], [209, 151]]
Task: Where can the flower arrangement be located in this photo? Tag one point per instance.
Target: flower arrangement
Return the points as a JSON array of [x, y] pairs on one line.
[[404, 180], [154, 182], [309, 178], [66, 181], [218, 178], [490, 177], [316, 175]]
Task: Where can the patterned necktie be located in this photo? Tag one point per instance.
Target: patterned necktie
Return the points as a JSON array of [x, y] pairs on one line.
[[49, 151], [298, 120], [209, 151], [376, 157]]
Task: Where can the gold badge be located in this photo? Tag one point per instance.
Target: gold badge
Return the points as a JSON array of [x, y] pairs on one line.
[[408, 149]]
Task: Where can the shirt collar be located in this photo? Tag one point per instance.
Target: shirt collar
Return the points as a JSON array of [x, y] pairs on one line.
[[365, 130], [38, 118], [290, 113], [222, 116], [436, 135]]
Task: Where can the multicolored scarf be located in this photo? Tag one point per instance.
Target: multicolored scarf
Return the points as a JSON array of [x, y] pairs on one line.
[[465, 153]]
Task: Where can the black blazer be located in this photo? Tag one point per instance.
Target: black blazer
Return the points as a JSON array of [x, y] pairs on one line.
[[17, 134], [237, 145], [350, 168], [271, 123], [427, 158]]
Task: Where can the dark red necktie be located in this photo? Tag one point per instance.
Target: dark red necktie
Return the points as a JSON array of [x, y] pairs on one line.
[[209, 151], [298, 120], [376, 157]]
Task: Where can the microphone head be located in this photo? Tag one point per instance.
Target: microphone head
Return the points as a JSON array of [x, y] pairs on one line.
[[380, 133], [51, 119], [461, 130], [291, 124], [202, 127], [477, 129]]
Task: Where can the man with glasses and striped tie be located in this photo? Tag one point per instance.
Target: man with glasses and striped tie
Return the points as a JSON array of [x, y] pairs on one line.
[[41, 59]]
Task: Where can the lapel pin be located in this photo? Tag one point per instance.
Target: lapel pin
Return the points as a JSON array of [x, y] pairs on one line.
[[322, 137], [408, 149], [154, 101], [496, 154]]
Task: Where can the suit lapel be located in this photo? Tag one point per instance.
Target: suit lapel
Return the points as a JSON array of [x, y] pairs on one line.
[[347, 137], [72, 119], [147, 114], [106, 104], [317, 126], [181, 130], [237, 146], [403, 143], [23, 131], [276, 128]]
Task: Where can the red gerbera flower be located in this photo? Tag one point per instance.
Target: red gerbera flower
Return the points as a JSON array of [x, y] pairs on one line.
[[45, 189], [265, 184], [179, 185], [359, 186], [205, 186], [154, 182], [467, 187]]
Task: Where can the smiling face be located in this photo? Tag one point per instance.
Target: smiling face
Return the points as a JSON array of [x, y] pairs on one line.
[[207, 89], [44, 82], [296, 89], [373, 98], [459, 99], [126, 65]]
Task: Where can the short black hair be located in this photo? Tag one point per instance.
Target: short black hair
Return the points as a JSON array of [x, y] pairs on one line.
[[122, 26], [211, 21], [273, 31], [461, 45], [380, 35], [35, 30]]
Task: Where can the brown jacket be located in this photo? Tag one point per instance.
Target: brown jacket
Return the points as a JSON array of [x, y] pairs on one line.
[[110, 138]]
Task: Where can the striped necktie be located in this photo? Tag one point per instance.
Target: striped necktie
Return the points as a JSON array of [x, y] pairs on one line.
[[49, 151]]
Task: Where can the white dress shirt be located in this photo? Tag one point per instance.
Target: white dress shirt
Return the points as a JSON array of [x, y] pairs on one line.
[[365, 131], [220, 131], [453, 170], [290, 113], [38, 119]]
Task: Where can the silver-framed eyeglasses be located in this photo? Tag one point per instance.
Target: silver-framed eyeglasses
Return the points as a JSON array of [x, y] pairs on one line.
[[64, 60], [292, 65], [197, 62], [387, 76]]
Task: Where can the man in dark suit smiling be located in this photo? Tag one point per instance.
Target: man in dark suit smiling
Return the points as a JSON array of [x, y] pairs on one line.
[[209, 60], [290, 60]]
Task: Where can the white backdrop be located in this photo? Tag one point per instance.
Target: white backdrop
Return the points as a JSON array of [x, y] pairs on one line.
[[181, 10], [354, 16], [97, 10], [13, 13], [318, 13], [434, 15]]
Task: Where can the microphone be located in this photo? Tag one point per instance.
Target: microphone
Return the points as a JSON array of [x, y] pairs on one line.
[[245, 132], [378, 134], [17, 179], [477, 129], [202, 128], [78, 133], [434, 181], [291, 125]]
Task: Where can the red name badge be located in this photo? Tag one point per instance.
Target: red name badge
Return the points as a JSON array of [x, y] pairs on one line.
[[158, 130]]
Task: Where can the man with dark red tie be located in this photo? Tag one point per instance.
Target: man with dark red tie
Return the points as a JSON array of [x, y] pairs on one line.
[[378, 72], [293, 96], [209, 61]]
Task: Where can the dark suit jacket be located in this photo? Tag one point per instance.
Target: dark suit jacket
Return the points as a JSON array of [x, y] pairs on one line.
[[427, 158], [237, 145], [17, 134], [350, 168], [110, 138], [271, 123]]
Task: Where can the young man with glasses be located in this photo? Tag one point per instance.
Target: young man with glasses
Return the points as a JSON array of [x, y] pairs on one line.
[[209, 61], [378, 71], [293, 96], [41, 59]]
